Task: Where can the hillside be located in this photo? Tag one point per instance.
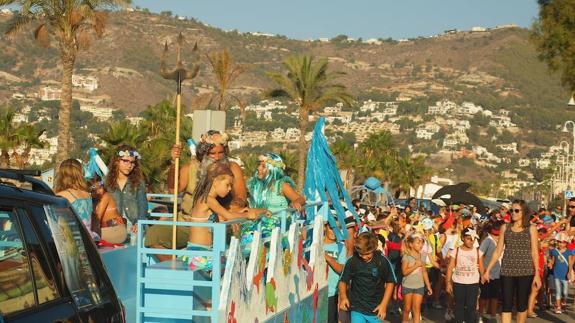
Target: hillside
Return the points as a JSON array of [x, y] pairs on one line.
[[497, 67], [496, 70]]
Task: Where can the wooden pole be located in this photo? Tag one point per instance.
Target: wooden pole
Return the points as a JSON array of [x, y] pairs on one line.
[[179, 74], [177, 164]]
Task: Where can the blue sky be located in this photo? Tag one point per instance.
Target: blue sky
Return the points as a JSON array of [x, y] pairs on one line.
[[303, 19]]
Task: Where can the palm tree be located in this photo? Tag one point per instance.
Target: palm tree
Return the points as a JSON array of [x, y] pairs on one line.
[[346, 160], [309, 85], [7, 135], [291, 161], [27, 137], [378, 155], [225, 72], [410, 172], [70, 23], [121, 132]]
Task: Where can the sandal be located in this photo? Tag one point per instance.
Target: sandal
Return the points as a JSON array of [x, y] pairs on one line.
[[532, 315]]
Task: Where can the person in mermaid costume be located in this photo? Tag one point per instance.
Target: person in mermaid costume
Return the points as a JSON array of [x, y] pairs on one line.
[[270, 188]]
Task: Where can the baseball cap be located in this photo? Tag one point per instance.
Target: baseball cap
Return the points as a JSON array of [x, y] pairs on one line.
[[427, 224]]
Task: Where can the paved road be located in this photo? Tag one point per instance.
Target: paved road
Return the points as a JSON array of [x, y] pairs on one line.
[[548, 316], [431, 315]]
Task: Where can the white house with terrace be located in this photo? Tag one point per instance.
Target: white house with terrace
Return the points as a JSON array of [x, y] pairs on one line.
[[508, 148]]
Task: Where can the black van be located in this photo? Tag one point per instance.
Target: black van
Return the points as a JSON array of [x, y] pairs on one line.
[[50, 269]]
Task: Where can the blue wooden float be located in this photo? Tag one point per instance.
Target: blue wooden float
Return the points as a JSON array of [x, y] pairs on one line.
[[277, 283]]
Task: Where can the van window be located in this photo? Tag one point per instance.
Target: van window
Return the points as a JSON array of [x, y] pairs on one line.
[[76, 267], [45, 285], [16, 287]]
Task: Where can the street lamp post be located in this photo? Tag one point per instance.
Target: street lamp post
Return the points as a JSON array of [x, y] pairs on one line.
[[571, 160]]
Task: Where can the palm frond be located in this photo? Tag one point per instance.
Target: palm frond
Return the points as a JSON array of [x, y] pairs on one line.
[[42, 35], [18, 24]]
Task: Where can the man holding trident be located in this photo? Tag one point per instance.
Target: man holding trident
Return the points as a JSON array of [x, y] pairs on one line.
[[212, 145]]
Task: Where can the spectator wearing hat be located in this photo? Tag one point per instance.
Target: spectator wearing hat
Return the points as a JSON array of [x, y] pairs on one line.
[[560, 265], [463, 275]]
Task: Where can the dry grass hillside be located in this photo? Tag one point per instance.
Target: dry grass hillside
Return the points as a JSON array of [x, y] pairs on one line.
[[494, 68]]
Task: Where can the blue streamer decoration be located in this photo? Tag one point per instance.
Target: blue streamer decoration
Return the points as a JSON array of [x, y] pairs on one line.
[[91, 168], [322, 176]]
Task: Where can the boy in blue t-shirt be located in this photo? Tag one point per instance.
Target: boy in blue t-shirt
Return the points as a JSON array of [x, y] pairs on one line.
[[335, 256], [371, 278], [560, 263]]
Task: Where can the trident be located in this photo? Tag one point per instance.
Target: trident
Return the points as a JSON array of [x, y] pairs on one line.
[[179, 74]]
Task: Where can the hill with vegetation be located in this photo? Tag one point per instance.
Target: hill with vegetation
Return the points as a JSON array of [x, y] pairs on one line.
[[497, 68]]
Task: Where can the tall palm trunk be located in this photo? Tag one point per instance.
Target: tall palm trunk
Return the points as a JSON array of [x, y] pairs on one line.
[[302, 147], [64, 115]]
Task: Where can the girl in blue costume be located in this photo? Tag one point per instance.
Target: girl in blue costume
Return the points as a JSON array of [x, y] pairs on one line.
[[270, 189]]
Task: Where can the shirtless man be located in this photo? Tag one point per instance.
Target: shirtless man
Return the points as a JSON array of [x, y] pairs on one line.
[[212, 145]]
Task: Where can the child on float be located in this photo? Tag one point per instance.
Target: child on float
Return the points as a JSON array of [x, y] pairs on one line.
[[415, 280], [215, 182], [463, 275], [368, 279], [71, 184], [112, 225], [125, 182]]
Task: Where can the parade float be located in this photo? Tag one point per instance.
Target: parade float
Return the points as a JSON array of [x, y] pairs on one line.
[[283, 278]]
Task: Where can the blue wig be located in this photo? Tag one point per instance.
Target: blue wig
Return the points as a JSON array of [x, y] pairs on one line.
[[261, 189]]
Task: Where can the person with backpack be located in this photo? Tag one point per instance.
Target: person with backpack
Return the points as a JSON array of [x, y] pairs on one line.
[[370, 279], [463, 275]]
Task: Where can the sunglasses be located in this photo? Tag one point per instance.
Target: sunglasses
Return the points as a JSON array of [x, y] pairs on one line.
[[127, 161], [96, 186], [516, 210]]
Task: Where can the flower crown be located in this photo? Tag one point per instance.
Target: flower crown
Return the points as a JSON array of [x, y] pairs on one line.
[[215, 139], [272, 162], [129, 153]]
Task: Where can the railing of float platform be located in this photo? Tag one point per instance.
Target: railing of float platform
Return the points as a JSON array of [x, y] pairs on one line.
[[165, 283]]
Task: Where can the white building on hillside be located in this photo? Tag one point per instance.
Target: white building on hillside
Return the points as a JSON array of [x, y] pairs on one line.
[[369, 106], [442, 107], [48, 93], [524, 162], [101, 113], [422, 133], [333, 110], [542, 163], [501, 121], [89, 83], [292, 133], [469, 109], [509, 148], [278, 133]]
